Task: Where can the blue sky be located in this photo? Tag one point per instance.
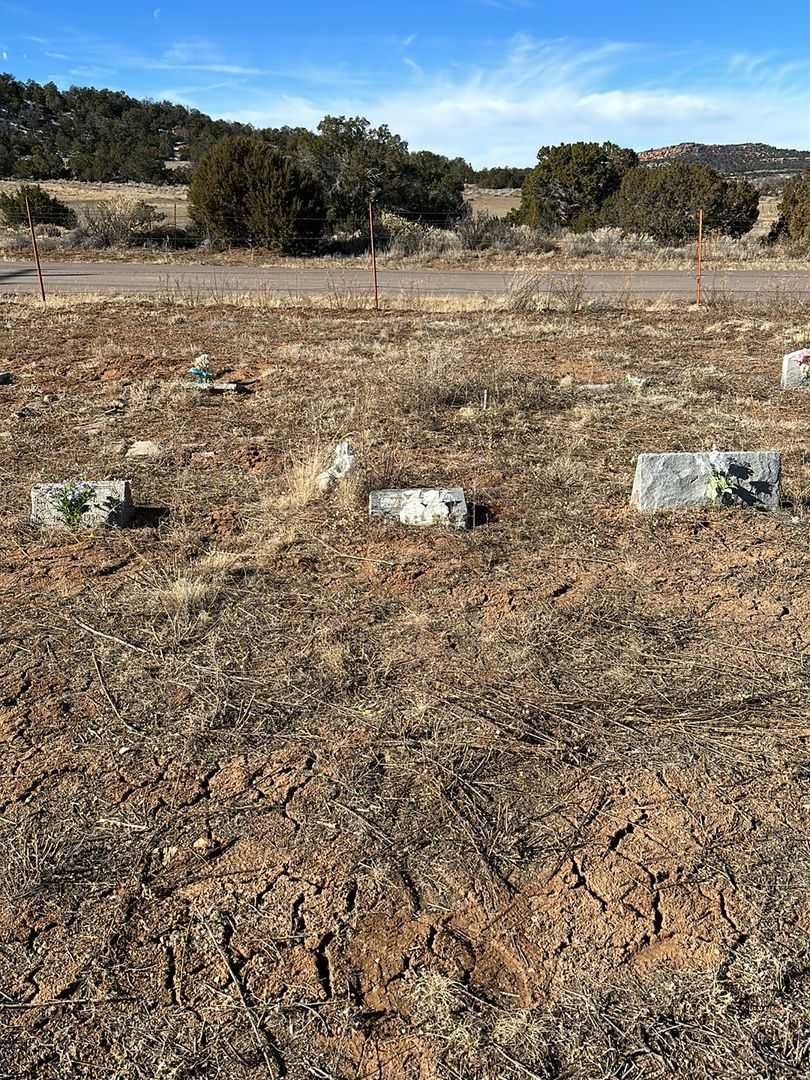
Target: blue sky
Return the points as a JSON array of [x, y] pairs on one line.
[[487, 79]]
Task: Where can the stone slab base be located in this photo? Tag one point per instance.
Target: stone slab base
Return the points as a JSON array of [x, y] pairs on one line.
[[110, 504], [669, 481]]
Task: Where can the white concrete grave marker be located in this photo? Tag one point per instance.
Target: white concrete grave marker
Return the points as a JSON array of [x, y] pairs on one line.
[[796, 370], [344, 462], [744, 478], [420, 506]]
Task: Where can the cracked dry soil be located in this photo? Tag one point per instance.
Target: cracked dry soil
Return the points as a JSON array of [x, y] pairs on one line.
[[284, 793]]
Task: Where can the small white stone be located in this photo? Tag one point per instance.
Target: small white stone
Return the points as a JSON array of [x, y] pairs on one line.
[[218, 387], [637, 382], [145, 449], [597, 388], [344, 462]]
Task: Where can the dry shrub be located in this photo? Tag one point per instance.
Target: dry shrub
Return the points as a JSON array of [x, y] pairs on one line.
[[115, 221], [568, 292], [186, 594], [301, 474], [528, 292], [719, 297], [423, 378], [532, 291]]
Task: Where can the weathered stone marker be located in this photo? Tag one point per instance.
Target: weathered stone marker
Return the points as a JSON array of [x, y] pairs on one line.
[[669, 481], [86, 503], [219, 387], [344, 462], [420, 506], [796, 370]]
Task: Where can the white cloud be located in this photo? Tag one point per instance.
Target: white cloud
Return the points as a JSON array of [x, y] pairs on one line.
[[546, 92]]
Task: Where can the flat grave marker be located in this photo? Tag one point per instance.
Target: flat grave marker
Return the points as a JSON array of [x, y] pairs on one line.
[[420, 506], [86, 504], [735, 478]]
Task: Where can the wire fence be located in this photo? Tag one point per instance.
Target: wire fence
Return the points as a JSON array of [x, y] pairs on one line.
[[132, 225], [168, 225]]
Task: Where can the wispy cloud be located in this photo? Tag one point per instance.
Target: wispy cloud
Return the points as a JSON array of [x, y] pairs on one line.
[[518, 92], [506, 5], [549, 91]]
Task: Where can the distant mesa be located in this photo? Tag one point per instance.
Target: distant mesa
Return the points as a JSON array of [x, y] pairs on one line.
[[753, 161]]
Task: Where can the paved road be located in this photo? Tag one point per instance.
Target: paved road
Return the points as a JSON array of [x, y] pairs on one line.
[[192, 281]]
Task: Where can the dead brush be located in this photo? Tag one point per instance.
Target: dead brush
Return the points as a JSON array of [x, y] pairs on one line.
[[528, 292], [786, 301], [301, 471], [720, 298], [423, 379], [55, 857], [568, 293], [185, 594]]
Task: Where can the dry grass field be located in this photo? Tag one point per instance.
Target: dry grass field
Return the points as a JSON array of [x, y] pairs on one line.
[[77, 195], [287, 794], [497, 202]]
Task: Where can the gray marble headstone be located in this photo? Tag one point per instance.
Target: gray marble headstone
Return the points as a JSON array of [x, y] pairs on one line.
[[110, 503], [420, 506], [796, 370], [669, 481]]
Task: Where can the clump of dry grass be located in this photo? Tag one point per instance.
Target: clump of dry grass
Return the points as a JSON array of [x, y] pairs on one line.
[[302, 469], [187, 593]]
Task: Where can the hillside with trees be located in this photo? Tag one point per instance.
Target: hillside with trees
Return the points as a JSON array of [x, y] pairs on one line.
[[757, 162], [107, 136]]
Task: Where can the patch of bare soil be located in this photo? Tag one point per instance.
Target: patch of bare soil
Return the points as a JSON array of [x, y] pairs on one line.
[[285, 793]]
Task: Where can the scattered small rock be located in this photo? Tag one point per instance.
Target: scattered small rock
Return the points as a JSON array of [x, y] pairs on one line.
[[344, 462], [597, 388], [145, 449], [219, 387], [637, 382]]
